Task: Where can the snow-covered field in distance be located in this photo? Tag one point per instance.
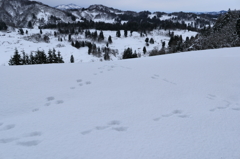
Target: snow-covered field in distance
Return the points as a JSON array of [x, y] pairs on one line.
[[184, 105], [10, 41]]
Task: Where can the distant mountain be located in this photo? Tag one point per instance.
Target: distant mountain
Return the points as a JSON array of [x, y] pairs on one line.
[[18, 13], [68, 6], [212, 13]]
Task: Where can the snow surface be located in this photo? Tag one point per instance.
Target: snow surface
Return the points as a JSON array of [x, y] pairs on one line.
[[10, 41], [184, 105]]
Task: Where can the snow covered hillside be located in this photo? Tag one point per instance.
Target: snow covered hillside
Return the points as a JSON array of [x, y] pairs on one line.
[[184, 105], [10, 41]]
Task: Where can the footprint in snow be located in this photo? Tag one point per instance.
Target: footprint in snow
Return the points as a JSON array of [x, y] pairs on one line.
[[86, 132], [7, 127], [59, 101], [50, 98], [7, 140], [29, 143]]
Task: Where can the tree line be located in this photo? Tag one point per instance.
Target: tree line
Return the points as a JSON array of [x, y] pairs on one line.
[[39, 57]]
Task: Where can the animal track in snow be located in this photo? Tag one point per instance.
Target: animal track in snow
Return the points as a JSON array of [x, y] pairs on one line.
[[101, 127], [114, 122], [34, 110], [59, 101], [79, 80], [114, 125], [7, 140], [7, 127], [72, 87], [88, 82], [50, 98], [33, 134], [29, 143], [168, 81], [120, 128], [174, 112], [86, 132]]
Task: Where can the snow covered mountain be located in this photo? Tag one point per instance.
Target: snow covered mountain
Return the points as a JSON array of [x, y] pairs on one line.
[[18, 13], [177, 106], [68, 6]]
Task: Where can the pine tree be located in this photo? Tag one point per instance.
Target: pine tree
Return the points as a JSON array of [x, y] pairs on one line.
[[151, 41], [144, 50], [110, 40], [60, 59], [30, 24], [101, 36], [54, 56], [72, 59], [41, 31], [118, 34], [16, 59], [238, 26], [125, 33], [50, 56], [146, 40]]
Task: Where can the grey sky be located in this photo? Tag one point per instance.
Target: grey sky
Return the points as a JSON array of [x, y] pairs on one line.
[[156, 5]]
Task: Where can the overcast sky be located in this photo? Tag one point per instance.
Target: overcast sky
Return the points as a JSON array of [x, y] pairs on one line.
[[155, 5]]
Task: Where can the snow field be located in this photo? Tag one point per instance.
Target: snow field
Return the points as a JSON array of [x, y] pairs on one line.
[[10, 41], [183, 105]]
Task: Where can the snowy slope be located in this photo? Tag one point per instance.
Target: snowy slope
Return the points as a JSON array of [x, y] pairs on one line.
[[184, 105], [68, 6], [10, 41]]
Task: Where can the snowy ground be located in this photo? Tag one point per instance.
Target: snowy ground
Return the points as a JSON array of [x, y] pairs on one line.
[[184, 105], [10, 41]]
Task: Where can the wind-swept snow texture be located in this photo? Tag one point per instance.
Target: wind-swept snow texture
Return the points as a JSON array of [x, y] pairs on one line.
[[184, 105]]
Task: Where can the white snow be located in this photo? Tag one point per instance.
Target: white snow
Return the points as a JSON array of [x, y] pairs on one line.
[[184, 105], [166, 17], [10, 41]]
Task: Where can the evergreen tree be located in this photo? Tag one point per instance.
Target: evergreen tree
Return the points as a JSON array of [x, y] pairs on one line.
[[16, 59], [110, 39], [26, 31], [30, 24], [21, 31], [54, 56], [23, 60], [147, 40], [101, 36], [72, 59], [73, 44], [60, 59], [144, 50], [151, 41], [118, 34], [50, 56], [125, 33], [128, 54], [69, 37], [238, 27], [41, 31]]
